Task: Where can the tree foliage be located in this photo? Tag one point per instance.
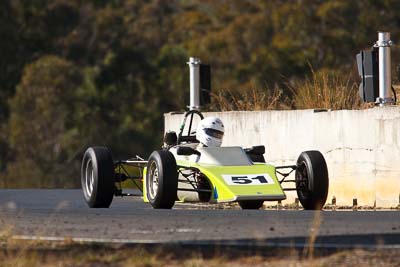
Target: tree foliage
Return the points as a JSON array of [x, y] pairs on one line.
[[43, 133], [76, 73]]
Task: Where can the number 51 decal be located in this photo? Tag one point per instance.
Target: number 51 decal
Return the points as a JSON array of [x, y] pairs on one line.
[[247, 179]]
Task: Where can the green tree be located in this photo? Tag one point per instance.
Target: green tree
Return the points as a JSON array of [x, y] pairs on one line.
[[123, 64], [42, 133]]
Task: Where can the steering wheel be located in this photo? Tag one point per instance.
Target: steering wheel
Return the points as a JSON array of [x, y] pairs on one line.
[[188, 137]]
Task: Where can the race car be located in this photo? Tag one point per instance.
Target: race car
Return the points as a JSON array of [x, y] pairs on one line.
[[211, 174]]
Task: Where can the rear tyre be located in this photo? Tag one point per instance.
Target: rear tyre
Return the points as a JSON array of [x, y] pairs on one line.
[[312, 182], [161, 180], [251, 204], [97, 177], [203, 183]]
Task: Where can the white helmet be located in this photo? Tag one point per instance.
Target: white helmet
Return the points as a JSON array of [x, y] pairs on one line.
[[210, 131]]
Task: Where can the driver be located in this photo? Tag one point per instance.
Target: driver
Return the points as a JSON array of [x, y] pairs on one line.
[[210, 132]]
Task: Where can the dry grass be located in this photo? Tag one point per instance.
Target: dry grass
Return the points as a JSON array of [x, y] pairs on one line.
[[323, 90], [397, 91], [313, 235], [327, 90], [106, 255], [251, 99]]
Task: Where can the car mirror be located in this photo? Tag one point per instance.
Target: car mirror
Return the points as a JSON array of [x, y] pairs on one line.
[[186, 151]]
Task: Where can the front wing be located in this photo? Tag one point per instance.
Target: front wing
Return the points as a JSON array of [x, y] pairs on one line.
[[238, 183], [228, 183]]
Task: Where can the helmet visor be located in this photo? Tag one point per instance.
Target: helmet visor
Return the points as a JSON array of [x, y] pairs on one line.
[[214, 133]]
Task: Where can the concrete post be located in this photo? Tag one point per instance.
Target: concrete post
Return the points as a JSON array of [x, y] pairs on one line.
[[385, 77], [194, 65]]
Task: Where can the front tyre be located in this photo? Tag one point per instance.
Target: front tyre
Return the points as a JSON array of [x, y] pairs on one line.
[[312, 180], [161, 180], [97, 177]]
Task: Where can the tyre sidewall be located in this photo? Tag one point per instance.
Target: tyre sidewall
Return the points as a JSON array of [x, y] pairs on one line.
[[167, 173], [318, 182], [103, 177], [154, 157], [89, 155]]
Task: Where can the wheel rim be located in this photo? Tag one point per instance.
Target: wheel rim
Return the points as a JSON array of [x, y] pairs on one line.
[[89, 178], [153, 180], [302, 180]]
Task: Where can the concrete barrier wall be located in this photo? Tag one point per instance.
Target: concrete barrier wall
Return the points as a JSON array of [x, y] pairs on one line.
[[361, 147]]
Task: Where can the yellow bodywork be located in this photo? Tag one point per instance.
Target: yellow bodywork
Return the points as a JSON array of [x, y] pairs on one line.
[[222, 191]]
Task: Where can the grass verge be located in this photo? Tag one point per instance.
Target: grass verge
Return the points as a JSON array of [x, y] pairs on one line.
[[27, 253]]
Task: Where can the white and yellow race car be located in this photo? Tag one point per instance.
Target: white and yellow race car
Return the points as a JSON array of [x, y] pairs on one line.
[[212, 174]]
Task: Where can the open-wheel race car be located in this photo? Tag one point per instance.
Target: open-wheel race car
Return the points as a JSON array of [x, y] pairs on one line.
[[213, 174]]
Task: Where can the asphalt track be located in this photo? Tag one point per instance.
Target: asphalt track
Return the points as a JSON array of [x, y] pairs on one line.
[[63, 215]]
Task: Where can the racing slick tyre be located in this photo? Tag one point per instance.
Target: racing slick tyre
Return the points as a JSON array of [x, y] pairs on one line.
[[251, 204], [203, 183], [312, 180], [97, 177], [161, 180]]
